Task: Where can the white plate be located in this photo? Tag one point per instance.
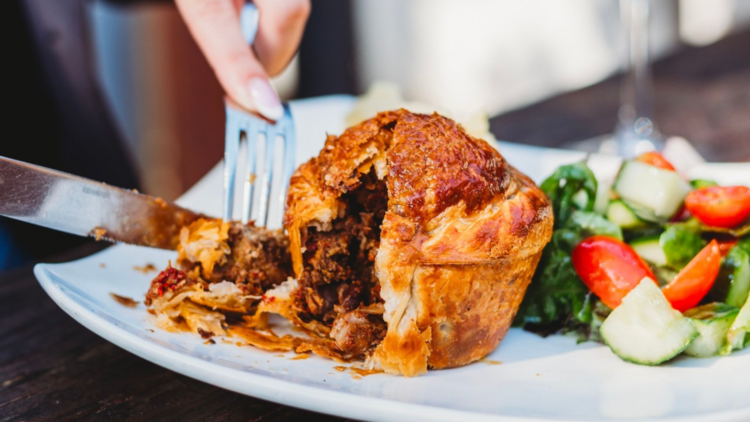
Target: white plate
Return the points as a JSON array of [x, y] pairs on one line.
[[539, 379]]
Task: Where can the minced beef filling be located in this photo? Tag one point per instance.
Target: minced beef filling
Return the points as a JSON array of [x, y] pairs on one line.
[[338, 278], [259, 260]]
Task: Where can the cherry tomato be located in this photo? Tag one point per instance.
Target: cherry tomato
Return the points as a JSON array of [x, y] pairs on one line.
[[720, 206], [655, 159], [609, 268], [691, 284]]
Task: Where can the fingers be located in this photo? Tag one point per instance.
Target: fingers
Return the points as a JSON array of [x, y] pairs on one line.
[[216, 28], [282, 23]]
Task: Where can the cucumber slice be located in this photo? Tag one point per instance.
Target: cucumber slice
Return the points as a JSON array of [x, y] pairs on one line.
[[712, 322], [645, 213], [657, 190], [645, 329], [737, 334], [603, 193], [622, 215], [650, 249], [739, 280]]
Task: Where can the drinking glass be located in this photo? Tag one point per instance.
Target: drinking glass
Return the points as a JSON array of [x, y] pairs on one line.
[[635, 132]]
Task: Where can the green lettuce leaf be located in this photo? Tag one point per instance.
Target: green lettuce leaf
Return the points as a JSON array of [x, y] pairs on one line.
[[594, 224], [555, 292], [563, 186], [681, 242], [702, 183], [743, 244], [557, 299], [742, 230]]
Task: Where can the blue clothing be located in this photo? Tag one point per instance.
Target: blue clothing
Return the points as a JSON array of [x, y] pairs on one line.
[[10, 256]]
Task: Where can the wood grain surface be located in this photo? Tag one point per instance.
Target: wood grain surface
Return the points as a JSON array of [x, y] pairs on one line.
[[53, 369]]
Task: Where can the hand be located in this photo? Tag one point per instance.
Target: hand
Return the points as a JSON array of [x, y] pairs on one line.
[[244, 71]]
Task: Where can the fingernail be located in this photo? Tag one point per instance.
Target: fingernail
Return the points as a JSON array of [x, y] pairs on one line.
[[265, 99]]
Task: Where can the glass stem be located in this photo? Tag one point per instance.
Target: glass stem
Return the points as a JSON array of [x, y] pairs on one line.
[[636, 107], [639, 57], [636, 87]]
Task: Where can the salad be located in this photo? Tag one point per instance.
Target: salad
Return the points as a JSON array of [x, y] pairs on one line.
[[653, 265]]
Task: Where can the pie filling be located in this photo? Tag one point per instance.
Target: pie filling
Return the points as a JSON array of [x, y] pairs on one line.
[[226, 268], [338, 286]]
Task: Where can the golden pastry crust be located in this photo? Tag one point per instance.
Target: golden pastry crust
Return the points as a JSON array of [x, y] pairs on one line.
[[459, 242]]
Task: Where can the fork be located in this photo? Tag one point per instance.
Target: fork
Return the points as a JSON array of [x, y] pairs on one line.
[[242, 123]]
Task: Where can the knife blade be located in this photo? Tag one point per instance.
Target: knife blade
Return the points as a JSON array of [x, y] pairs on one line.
[[83, 207]]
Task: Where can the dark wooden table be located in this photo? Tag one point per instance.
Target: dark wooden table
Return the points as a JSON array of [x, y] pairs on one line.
[[53, 369]]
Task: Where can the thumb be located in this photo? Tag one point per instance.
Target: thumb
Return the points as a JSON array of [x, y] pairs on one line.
[[216, 28]]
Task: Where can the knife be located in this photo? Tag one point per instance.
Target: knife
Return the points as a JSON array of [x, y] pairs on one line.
[[83, 207]]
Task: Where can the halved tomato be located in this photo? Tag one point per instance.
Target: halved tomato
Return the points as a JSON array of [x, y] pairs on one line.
[[720, 206], [655, 159], [609, 268], [691, 284]]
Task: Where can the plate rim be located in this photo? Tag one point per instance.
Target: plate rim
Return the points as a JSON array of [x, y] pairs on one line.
[[289, 393], [265, 388]]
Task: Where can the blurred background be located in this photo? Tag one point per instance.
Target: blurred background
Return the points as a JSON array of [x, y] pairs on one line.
[[116, 90]]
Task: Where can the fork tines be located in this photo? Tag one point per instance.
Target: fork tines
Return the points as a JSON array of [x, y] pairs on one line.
[[245, 124]]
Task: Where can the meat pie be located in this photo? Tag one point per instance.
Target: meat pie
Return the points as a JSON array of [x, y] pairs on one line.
[[410, 246], [407, 214]]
